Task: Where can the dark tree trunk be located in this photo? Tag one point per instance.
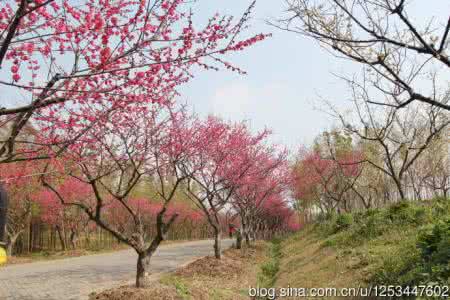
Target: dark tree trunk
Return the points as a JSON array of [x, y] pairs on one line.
[[9, 248], [247, 237], [87, 236], [217, 242], [12, 241], [3, 213], [238, 239], [73, 239], [143, 270], [400, 190], [61, 238], [144, 256], [143, 262], [244, 231]]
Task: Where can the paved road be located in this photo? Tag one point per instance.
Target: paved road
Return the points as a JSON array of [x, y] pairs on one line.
[[75, 278]]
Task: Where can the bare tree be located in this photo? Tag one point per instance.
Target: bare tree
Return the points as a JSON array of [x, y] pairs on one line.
[[434, 168], [397, 137], [405, 59]]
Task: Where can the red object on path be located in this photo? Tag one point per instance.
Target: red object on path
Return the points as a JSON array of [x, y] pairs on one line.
[[231, 230]]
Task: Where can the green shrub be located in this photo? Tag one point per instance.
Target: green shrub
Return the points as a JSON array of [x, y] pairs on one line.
[[401, 266], [374, 223], [269, 269], [343, 221], [422, 215], [434, 244], [440, 206], [325, 224], [401, 213], [325, 217], [422, 256], [329, 243], [405, 213], [182, 289]]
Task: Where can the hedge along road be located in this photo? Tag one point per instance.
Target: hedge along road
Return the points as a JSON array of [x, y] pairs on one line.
[[76, 278]]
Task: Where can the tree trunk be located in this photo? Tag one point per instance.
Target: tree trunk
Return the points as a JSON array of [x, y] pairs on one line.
[[244, 229], [245, 232], [87, 237], [3, 213], [12, 241], [61, 238], [247, 237], [217, 241], [9, 248], [399, 186], [238, 239], [143, 270], [144, 256], [73, 239]]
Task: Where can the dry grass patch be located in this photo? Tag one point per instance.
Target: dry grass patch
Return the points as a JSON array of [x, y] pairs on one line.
[[228, 278], [204, 279], [158, 291], [307, 263]]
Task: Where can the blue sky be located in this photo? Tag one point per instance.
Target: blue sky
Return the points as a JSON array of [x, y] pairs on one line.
[[286, 73]]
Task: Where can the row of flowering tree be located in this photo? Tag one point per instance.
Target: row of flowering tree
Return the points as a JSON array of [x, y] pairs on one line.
[[357, 169], [220, 166], [32, 204], [260, 195], [232, 170], [68, 69], [22, 185], [97, 80]]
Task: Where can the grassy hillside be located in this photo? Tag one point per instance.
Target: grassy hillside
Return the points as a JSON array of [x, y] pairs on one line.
[[406, 244]]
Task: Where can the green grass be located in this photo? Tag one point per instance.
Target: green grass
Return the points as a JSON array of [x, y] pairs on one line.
[[180, 285], [406, 244], [269, 269], [182, 289]]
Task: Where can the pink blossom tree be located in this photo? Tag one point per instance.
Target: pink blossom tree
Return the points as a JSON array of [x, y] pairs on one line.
[[327, 181], [188, 218], [76, 64], [276, 216], [215, 167], [69, 221], [22, 187], [114, 161], [82, 68], [268, 177]]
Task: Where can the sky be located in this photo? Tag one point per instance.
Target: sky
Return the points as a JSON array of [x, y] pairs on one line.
[[287, 74]]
